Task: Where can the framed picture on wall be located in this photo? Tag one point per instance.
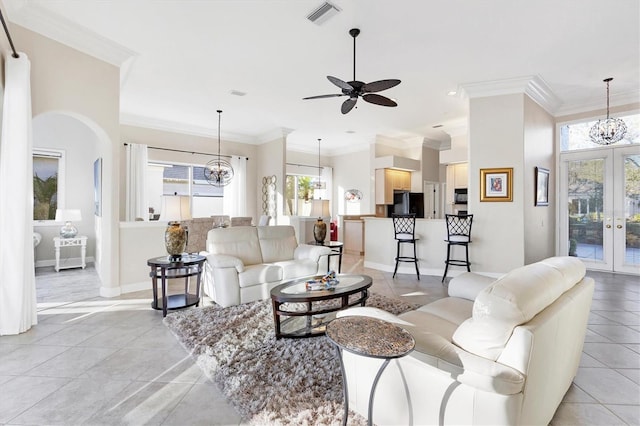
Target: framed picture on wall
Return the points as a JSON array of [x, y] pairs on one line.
[[496, 184], [542, 187]]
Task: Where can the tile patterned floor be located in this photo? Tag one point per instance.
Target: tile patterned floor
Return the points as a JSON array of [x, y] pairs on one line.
[[98, 361]]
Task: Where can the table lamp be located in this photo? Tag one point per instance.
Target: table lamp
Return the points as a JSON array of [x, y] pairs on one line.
[[175, 208], [67, 216], [320, 208]]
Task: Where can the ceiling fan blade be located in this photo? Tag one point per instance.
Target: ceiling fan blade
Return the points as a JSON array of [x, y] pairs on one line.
[[380, 85], [341, 84], [379, 100], [324, 96], [348, 105]]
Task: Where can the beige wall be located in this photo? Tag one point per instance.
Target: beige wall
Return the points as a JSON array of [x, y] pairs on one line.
[[66, 81], [353, 171], [496, 140], [539, 222], [272, 161]]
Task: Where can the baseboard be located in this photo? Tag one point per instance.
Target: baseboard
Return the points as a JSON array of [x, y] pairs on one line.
[[75, 260]]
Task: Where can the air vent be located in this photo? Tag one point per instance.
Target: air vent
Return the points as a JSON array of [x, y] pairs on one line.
[[323, 13], [237, 93]]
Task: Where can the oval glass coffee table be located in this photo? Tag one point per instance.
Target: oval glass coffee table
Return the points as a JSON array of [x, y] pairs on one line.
[[298, 312]]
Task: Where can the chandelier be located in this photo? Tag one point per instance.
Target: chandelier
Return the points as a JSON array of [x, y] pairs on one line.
[[609, 131], [218, 172], [319, 184]]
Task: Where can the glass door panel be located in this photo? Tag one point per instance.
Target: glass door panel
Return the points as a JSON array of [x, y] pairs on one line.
[[627, 211], [585, 204]]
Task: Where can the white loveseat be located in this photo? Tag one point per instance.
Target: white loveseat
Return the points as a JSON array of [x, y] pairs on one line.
[[244, 263], [495, 352]]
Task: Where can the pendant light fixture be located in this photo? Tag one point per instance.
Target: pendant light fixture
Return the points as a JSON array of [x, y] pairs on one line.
[[218, 172], [609, 131]]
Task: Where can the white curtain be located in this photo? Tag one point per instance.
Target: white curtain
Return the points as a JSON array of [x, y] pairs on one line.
[[137, 205], [18, 308], [234, 202]]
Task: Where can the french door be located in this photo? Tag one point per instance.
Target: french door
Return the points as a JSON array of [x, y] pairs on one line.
[[599, 209]]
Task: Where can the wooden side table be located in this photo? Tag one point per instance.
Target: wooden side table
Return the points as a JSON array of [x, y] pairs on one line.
[[166, 267], [370, 337], [71, 242]]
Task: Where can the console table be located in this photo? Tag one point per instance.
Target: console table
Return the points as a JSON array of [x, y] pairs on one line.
[[167, 267], [370, 337], [71, 242]]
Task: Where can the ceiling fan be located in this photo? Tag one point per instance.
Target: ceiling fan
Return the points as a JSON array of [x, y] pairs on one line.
[[355, 89]]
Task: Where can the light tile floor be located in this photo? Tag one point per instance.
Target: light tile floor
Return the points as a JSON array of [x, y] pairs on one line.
[[98, 361]]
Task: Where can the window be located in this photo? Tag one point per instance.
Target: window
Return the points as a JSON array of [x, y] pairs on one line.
[[576, 136], [188, 179], [48, 183], [298, 195]]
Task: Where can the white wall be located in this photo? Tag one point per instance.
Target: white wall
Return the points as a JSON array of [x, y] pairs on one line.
[[272, 163], [352, 171], [79, 143]]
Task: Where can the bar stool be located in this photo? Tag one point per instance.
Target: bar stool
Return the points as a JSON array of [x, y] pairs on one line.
[[404, 226], [458, 234]]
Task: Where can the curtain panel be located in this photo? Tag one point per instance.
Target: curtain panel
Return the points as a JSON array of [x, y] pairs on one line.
[[137, 204], [234, 202], [18, 307]]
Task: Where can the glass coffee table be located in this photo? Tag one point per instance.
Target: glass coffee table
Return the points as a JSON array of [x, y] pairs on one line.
[[298, 312]]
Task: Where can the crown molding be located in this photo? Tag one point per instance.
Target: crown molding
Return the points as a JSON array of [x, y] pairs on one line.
[[187, 129], [599, 103], [272, 135], [41, 20], [534, 86]]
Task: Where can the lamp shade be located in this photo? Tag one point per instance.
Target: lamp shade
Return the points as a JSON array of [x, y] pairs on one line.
[[320, 208], [68, 215], [175, 208]]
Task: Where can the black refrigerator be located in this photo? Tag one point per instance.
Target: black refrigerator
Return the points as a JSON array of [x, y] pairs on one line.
[[405, 202]]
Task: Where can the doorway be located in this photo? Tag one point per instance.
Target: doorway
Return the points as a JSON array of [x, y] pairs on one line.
[[601, 222]]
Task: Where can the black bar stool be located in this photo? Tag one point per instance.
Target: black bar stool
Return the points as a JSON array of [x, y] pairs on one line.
[[404, 226], [458, 234]]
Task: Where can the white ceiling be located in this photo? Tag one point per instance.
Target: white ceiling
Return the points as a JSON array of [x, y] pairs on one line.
[[182, 58]]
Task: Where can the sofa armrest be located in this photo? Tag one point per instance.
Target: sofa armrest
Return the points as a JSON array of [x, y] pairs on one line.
[[225, 261], [308, 251]]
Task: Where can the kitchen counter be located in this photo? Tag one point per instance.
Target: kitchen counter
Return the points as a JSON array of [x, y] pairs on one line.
[[380, 247]]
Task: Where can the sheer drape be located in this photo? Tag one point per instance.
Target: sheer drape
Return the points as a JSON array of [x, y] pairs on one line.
[[137, 204], [235, 194], [18, 309]]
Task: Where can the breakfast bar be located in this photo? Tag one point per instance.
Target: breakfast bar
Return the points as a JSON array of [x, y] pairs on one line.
[[380, 247]]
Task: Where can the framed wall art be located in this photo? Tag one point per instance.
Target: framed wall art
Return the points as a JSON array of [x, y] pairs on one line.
[[496, 184], [542, 187]]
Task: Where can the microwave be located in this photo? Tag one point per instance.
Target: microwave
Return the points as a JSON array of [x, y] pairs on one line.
[[460, 196]]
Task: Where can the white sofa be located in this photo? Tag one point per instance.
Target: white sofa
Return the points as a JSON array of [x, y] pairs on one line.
[[244, 263], [495, 352]]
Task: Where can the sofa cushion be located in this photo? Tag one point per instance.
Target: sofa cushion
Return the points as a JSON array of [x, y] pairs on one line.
[[277, 243], [453, 309], [513, 300], [297, 268], [468, 285], [258, 274], [241, 242]]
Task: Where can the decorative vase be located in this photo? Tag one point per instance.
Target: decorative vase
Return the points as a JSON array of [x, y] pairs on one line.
[[320, 231], [175, 239]]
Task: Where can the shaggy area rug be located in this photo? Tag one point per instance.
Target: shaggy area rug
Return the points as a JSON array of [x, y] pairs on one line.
[[268, 381]]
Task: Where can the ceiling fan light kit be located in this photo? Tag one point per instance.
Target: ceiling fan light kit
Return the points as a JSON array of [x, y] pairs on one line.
[[218, 172], [609, 131], [357, 89]]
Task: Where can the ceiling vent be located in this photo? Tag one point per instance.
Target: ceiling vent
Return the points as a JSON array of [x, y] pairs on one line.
[[323, 13]]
